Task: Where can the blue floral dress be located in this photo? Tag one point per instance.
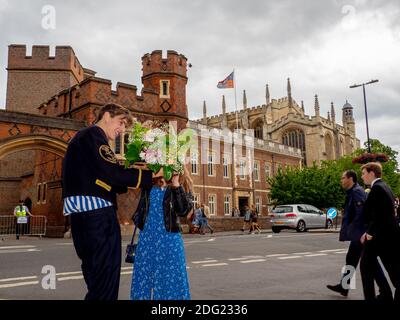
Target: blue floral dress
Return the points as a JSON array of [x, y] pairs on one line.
[[159, 272]]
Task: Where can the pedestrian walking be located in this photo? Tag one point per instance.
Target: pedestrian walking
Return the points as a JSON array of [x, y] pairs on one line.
[[246, 219], [352, 229], [204, 219], [254, 221], [382, 235]]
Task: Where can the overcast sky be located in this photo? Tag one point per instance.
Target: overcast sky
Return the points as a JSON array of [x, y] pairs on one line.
[[322, 45]]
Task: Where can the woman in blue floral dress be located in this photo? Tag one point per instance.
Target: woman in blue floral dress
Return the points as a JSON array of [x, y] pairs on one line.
[[160, 265]]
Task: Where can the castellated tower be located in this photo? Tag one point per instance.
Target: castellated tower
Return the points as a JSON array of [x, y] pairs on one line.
[[34, 79], [168, 78]]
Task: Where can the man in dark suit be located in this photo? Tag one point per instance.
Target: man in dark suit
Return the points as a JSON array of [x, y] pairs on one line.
[[353, 227], [382, 236]]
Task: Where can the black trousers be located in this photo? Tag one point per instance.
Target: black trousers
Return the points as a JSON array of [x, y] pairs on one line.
[[353, 257], [389, 256], [97, 240], [22, 228]]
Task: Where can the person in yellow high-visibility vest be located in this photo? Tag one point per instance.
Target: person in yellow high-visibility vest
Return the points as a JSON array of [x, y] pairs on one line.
[[22, 211]]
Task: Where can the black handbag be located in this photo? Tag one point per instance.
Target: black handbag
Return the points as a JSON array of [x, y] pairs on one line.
[[130, 249]]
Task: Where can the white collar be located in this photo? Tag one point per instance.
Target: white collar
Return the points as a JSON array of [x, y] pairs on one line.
[[372, 184]]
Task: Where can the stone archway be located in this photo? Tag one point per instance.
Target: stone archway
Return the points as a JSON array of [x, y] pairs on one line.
[[32, 142]]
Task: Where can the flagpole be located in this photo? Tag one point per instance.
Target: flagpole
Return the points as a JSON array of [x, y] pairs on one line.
[[234, 87]]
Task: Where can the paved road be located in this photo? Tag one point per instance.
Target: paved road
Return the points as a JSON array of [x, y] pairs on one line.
[[228, 266]]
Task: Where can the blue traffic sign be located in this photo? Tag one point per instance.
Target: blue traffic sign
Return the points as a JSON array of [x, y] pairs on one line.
[[332, 213]]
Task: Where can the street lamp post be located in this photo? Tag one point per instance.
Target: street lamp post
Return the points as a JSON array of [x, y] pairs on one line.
[[365, 106]]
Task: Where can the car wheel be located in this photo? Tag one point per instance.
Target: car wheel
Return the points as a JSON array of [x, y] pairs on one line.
[[329, 224], [276, 229], [301, 226]]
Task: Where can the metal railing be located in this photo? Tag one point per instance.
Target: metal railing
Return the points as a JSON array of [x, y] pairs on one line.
[[28, 226]]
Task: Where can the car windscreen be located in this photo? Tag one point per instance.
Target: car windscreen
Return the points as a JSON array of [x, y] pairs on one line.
[[283, 209]]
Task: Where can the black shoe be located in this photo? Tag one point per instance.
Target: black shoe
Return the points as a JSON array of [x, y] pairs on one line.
[[339, 289]]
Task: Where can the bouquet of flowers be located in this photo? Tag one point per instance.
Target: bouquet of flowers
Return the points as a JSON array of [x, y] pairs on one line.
[[159, 146]]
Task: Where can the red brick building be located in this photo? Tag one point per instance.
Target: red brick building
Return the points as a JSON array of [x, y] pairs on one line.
[[50, 98]]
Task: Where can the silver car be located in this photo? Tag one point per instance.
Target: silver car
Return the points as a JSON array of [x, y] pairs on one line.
[[298, 216]]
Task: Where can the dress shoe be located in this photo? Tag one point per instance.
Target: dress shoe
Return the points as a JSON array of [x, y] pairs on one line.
[[339, 289]]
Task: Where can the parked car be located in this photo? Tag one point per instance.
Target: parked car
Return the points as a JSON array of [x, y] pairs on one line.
[[300, 217]]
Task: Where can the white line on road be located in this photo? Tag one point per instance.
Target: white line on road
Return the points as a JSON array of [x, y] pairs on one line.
[[302, 253], [19, 284], [215, 264], [65, 244], [237, 259], [17, 247], [68, 273], [251, 261], [16, 279], [332, 250], [204, 261], [290, 257], [316, 255], [276, 255], [340, 252], [70, 278], [19, 250]]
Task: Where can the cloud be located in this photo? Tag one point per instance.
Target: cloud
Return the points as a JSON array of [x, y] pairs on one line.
[[323, 46]]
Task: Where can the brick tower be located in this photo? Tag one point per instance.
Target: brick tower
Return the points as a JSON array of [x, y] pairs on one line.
[[168, 78], [34, 79]]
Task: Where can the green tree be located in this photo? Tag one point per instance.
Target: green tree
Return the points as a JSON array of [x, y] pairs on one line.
[[320, 185]]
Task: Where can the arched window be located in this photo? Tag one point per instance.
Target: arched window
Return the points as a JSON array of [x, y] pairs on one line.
[[329, 147], [258, 129], [296, 138]]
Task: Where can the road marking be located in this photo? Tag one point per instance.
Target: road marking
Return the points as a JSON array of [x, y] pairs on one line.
[[341, 252], [237, 259], [215, 264], [212, 239], [290, 257], [332, 250], [251, 261], [126, 268], [316, 255], [276, 255], [19, 284], [19, 250], [17, 247], [68, 273], [204, 261], [65, 244], [20, 278], [127, 272], [70, 278], [296, 253]]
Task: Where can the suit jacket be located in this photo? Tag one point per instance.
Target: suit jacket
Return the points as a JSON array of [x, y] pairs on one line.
[[353, 224], [379, 212]]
